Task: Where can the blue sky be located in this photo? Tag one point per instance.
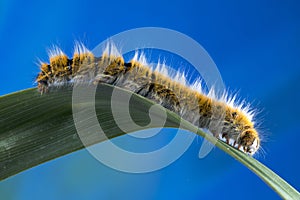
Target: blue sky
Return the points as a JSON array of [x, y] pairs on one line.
[[255, 45]]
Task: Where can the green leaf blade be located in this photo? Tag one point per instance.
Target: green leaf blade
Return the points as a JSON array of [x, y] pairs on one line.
[[36, 128]]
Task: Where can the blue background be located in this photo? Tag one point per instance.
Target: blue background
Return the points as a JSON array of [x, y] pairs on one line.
[[256, 47]]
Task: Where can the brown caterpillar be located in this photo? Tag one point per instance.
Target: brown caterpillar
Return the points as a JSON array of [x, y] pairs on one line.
[[230, 123]]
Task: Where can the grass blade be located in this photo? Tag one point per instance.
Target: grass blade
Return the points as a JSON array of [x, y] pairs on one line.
[[36, 128]]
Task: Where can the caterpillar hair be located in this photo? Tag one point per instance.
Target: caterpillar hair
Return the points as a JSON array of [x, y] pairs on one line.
[[231, 122]]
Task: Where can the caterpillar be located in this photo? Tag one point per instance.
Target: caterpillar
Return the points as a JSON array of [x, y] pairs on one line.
[[227, 121]]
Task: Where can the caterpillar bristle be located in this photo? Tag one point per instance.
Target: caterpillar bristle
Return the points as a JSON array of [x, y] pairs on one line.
[[221, 115]]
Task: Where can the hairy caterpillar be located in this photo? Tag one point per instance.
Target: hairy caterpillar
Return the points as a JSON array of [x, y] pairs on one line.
[[226, 121]]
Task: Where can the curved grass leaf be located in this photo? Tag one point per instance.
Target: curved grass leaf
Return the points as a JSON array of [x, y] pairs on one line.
[[36, 128]]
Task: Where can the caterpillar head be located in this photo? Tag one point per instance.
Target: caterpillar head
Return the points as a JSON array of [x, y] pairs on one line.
[[249, 141]]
